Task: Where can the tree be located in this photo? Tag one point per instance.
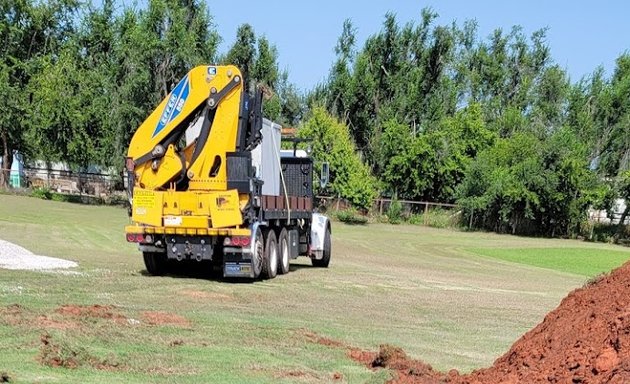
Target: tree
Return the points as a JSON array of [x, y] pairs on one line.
[[257, 59], [331, 142], [528, 185], [429, 165], [243, 52], [265, 66], [29, 32]]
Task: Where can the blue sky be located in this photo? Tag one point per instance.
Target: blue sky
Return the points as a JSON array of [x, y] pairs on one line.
[[582, 34]]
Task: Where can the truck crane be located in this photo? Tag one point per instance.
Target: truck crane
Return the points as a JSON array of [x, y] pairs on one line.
[[208, 182]]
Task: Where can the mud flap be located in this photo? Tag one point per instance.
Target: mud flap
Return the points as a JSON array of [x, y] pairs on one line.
[[318, 231]]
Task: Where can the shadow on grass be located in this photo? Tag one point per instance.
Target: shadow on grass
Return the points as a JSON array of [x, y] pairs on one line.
[[297, 267], [206, 271], [193, 270]]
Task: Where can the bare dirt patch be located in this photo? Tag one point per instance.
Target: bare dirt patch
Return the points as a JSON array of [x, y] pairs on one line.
[[296, 374], [292, 374], [11, 314], [46, 322], [317, 339], [164, 318], [63, 318], [60, 355], [83, 312]]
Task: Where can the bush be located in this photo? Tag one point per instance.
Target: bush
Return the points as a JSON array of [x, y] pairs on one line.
[[351, 216], [42, 193], [437, 218], [605, 233], [416, 219], [394, 212]]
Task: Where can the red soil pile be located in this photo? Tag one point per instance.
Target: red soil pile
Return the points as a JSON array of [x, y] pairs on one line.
[[585, 340]]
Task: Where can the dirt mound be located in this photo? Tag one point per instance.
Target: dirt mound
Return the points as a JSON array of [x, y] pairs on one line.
[[395, 358], [585, 340]]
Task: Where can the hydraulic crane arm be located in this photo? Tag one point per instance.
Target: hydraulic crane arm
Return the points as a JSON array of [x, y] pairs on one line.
[[210, 99]]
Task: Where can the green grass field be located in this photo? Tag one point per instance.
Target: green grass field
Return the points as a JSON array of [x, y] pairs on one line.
[[453, 299]]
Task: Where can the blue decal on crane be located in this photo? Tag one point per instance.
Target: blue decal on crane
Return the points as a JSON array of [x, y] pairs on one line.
[[174, 105]]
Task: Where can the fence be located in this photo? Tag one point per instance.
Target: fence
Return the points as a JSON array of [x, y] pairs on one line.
[[71, 182], [381, 205]]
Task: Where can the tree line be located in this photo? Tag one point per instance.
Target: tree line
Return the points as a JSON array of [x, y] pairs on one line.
[[441, 114], [420, 111], [76, 80]]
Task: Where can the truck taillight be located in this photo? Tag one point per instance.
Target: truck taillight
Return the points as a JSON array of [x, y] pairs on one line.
[[138, 238], [240, 241], [237, 241]]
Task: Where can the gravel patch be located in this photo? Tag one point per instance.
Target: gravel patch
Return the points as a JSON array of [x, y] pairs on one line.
[[15, 257]]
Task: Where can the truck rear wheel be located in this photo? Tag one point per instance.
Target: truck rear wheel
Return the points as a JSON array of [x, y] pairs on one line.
[[258, 256], [325, 260], [155, 263], [270, 263], [283, 252]]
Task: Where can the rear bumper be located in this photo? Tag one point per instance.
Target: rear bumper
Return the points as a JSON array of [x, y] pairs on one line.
[[141, 229]]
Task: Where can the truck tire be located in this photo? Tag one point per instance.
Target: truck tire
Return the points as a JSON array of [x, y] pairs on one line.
[[259, 253], [270, 261], [155, 263], [283, 252], [325, 260]]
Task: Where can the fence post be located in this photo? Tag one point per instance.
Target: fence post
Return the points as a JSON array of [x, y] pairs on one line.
[[472, 212], [380, 207], [426, 213]]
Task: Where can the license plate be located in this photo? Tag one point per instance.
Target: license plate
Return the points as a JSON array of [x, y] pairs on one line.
[[243, 270]]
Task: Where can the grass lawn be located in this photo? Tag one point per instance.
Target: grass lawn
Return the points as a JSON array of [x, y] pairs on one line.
[[580, 261], [433, 292]]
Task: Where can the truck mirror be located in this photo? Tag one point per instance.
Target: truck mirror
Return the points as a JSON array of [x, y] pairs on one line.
[[323, 179]]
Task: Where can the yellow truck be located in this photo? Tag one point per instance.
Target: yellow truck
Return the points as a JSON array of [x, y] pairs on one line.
[[209, 184]]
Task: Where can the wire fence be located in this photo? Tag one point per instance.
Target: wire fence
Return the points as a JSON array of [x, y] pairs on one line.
[[66, 181], [381, 206], [102, 184]]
